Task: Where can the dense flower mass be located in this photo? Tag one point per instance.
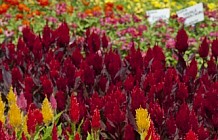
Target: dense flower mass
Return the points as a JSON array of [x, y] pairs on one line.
[[97, 70]]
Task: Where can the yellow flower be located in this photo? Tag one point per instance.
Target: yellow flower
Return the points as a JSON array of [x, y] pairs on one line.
[[136, 0], [211, 6], [2, 110], [11, 97], [25, 125], [192, 3], [15, 116], [142, 122], [47, 111]]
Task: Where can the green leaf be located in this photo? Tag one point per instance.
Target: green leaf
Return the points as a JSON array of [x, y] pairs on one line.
[[38, 130], [47, 133], [59, 130], [79, 127], [89, 137], [57, 117]]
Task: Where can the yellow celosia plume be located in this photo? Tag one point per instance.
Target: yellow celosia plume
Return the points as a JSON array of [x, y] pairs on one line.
[[47, 111], [15, 116], [142, 122], [11, 97], [2, 110]]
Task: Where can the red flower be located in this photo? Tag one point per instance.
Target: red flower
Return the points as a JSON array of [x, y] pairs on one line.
[[74, 110], [86, 126], [47, 86], [215, 48], [182, 117], [104, 40], [203, 133], [191, 71], [93, 43], [171, 126], [62, 35], [34, 117], [88, 75], [128, 133], [76, 57], [191, 136], [77, 136], [61, 100], [182, 92], [54, 133], [96, 102], [129, 83], [48, 37], [37, 49], [28, 82], [102, 83], [113, 63], [204, 48], [135, 59], [95, 124], [193, 120], [157, 113], [61, 83], [96, 61], [16, 75], [137, 99], [23, 136], [182, 40], [116, 116], [211, 67]]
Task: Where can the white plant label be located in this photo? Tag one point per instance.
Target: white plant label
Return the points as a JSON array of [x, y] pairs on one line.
[[192, 15], [160, 14]]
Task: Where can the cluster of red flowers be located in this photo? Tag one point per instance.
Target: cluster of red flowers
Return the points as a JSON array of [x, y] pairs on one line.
[[104, 89]]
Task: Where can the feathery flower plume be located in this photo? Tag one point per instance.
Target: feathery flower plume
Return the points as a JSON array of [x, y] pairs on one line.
[[2, 110], [47, 111], [142, 122], [11, 97], [191, 136], [15, 116]]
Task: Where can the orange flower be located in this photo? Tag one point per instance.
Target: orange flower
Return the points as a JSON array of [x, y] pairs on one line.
[[36, 12], [70, 9], [3, 8], [96, 8], [23, 7], [88, 12], [1, 30], [29, 15], [19, 16], [26, 22], [86, 3]]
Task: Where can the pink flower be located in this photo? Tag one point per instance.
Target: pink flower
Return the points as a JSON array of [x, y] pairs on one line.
[[61, 8], [22, 102], [170, 43], [8, 33], [53, 102]]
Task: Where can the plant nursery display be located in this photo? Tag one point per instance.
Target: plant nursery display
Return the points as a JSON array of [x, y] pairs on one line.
[[100, 70]]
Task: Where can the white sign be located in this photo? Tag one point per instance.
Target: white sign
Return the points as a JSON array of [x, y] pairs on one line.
[[160, 14], [193, 14]]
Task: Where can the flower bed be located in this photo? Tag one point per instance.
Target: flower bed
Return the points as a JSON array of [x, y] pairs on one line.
[[84, 89]]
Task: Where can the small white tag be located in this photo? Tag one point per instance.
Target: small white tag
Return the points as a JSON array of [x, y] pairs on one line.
[[160, 14], [192, 15]]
